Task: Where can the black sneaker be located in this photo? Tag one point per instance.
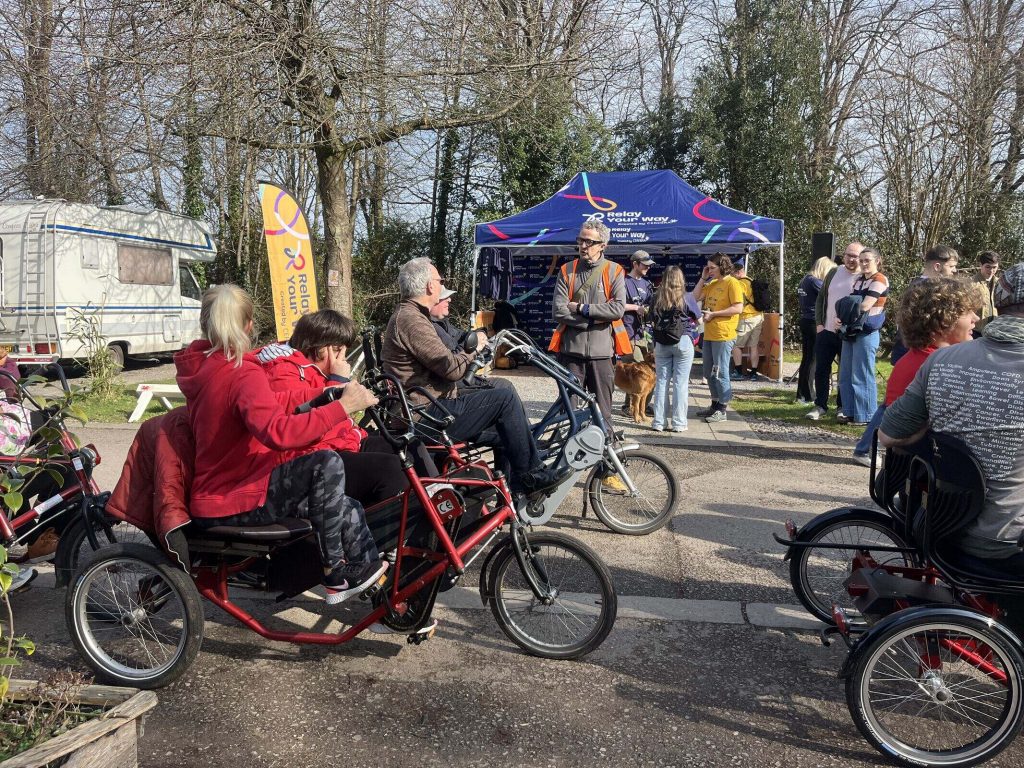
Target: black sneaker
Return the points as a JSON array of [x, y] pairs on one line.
[[543, 479], [352, 578]]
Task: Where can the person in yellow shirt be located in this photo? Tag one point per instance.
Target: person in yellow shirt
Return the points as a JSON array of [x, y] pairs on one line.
[[721, 299]]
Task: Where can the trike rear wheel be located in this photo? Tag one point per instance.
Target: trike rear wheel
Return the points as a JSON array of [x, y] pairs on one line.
[[646, 511], [135, 619], [583, 606], [938, 691], [818, 574]]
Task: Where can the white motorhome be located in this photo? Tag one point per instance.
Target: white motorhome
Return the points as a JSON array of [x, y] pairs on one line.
[[63, 262]]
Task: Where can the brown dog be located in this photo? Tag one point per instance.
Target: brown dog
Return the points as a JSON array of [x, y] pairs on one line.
[[637, 381]]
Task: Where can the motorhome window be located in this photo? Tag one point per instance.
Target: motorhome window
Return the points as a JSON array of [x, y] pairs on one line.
[[144, 265], [189, 289]]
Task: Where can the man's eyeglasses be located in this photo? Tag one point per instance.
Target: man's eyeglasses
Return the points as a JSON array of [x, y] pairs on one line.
[[584, 243]]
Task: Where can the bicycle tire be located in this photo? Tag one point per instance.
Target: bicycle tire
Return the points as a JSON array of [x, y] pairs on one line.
[[648, 511], [963, 717], [817, 575], [133, 589], [522, 617]]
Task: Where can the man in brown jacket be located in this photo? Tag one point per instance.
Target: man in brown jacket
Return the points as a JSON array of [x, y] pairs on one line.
[[416, 356]]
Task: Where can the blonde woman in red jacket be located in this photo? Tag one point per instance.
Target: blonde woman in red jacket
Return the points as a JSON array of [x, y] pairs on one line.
[[247, 471]]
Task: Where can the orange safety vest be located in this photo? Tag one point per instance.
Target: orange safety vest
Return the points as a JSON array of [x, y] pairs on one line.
[[622, 343]]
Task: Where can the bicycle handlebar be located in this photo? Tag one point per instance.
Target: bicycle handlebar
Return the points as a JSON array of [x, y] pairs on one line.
[[326, 397]]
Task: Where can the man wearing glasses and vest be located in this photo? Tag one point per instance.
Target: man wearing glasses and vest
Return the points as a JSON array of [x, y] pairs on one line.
[[589, 301]]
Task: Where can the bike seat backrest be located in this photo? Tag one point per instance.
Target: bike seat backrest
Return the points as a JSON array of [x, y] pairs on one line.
[[955, 491], [891, 483]]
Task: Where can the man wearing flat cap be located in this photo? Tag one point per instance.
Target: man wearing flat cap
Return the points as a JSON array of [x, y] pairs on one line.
[[639, 300], [975, 391]]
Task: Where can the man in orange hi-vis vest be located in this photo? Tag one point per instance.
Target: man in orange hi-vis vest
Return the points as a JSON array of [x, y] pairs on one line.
[[589, 301]]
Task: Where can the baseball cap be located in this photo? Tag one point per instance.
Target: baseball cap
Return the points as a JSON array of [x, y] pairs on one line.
[[1009, 289], [447, 293], [643, 257]]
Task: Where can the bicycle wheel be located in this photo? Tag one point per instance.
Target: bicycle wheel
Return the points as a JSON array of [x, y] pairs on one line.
[[584, 604], [75, 548], [918, 697], [134, 618], [817, 575], [646, 511]]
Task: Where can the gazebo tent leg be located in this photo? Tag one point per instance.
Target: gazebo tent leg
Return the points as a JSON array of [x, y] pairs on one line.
[[782, 306], [472, 295]]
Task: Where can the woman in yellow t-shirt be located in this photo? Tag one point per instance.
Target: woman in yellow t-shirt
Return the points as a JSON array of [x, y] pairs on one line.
[[721, 299]]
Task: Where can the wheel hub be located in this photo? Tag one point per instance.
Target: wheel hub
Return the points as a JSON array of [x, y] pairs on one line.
[[935, 686]]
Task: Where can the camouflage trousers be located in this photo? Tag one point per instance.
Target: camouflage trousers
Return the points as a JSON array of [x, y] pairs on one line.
[[312, 487]]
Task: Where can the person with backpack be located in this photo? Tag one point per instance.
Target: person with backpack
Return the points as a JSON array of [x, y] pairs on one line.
[[756, 300], [674, 327], [860, 333], [721, 299]]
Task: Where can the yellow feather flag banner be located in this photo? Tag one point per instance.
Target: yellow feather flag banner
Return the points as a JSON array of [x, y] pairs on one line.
[[292, 281]]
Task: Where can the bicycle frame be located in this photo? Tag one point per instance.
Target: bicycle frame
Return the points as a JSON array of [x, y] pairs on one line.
[[211, 581], [930, 576], [74, 458]]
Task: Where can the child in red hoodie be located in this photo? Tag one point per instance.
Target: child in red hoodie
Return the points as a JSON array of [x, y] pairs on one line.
[[247, 469], [315, 358]]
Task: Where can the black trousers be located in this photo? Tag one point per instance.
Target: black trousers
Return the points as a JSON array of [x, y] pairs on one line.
[[805, 377], [598, 377], [827, 347], [501, 409]]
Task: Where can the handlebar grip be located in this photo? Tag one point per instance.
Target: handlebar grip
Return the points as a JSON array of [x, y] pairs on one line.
[[326, 397]]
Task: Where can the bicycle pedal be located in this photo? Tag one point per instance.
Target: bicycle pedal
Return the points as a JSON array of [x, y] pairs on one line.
[[374, 588]]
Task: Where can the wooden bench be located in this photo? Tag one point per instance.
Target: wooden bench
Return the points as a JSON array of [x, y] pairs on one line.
[[164, 392]]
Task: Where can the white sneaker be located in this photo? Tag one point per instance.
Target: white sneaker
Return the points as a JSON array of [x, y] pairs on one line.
[[815, 413], [801, 401], [840, 415], [22, 579], [862, 458]]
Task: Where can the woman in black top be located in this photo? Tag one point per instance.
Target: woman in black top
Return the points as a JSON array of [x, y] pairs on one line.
[[807, 293]]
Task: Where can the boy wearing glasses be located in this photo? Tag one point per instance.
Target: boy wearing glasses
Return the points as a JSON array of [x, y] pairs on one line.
[[589, 302]]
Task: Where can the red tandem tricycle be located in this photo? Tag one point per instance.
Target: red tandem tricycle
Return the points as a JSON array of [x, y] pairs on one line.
[[137, 619], [935, 673]]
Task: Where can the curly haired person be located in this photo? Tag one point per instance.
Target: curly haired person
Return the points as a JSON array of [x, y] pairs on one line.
[[933, 314]]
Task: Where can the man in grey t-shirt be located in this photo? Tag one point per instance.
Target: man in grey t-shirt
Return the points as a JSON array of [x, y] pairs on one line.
[[975, 391]]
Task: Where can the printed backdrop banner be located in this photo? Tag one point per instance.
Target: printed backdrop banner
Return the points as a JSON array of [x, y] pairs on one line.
[[292, 281]]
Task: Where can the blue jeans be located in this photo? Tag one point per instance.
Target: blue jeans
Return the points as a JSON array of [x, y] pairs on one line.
[[864, 444], [716, 358], [857, 384], [673, 363]]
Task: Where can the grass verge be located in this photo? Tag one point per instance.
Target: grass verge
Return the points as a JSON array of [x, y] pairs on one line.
[[780, 404]]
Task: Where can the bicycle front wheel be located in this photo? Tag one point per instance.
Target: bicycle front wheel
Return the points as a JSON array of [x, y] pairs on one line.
[[938, 690], [582, 607], [134, 618], [649, 509]]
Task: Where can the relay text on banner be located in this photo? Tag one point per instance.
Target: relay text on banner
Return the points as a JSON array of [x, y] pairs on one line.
[[292, 279]]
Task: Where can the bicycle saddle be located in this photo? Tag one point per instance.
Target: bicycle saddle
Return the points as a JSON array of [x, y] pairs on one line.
[[285, 529]]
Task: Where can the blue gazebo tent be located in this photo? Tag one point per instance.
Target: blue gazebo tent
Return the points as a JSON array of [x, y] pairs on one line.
[[653, 210]]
